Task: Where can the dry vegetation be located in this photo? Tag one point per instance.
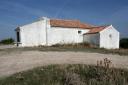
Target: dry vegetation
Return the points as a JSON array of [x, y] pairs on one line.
[[81, 47], [77, 74]]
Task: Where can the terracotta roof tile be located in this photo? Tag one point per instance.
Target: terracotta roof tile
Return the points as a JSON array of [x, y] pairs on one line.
[[69, 24], [96, 29]]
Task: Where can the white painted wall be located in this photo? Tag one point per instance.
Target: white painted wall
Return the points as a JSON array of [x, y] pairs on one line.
[[33, 34], [41, 33], [58, 35], [92, 38], [106, 41]]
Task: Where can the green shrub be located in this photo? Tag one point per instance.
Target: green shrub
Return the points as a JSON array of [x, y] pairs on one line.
[[124, 43], [7, 41]]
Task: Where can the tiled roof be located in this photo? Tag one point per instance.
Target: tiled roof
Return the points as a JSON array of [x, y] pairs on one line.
[[96, 29], [69, 24]]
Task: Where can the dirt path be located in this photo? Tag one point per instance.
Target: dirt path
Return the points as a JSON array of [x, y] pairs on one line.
[[13, 62]]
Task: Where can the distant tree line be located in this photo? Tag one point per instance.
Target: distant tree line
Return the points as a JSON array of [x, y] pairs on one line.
[[124, 43], [7, 41]]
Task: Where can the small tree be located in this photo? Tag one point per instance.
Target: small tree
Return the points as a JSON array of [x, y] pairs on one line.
[[7, 41], [124, 43]]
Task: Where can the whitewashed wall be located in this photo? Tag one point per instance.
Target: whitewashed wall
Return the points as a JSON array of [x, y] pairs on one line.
[[109, 42], [41, 33], [58, 35], [33, 34], [92, 39]]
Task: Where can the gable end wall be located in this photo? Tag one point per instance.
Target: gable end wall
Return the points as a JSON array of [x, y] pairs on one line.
[[109, 38]]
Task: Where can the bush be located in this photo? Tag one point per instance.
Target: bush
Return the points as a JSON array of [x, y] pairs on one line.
[[7, 41], [124, 43], [74, 45], [77, 74]]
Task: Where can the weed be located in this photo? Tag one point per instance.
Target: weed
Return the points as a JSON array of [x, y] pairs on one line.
[[77, 74]]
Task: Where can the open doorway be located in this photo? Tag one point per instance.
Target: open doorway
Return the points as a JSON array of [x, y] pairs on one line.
[[18, 38]]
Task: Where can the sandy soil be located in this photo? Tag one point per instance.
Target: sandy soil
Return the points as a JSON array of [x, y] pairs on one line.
[[7, 46], [13, 62]]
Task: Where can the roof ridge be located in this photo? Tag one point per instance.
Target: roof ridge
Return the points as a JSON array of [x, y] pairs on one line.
[[66, 20]]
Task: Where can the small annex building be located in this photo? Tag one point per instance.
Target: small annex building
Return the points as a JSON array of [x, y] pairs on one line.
[[48, 32]]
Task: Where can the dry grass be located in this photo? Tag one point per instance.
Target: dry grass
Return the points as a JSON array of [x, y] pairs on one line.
[[77, 74], [81, 47]]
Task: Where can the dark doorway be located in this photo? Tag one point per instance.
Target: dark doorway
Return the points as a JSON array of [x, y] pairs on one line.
[[18, 37]]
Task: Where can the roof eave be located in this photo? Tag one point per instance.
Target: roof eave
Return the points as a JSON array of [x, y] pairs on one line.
[[91, 33], [17, 29], [70, 27]]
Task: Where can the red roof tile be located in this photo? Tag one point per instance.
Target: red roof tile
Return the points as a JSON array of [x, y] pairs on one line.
[[69, 24], [96, 29]]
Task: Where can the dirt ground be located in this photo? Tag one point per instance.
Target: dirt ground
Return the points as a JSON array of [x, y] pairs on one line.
[[12, 62], [7, 46]]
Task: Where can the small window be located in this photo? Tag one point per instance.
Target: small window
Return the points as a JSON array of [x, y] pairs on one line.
[[79, 32], [110, 36]]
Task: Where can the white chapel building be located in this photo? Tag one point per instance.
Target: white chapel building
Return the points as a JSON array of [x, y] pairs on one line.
[[48, 32]]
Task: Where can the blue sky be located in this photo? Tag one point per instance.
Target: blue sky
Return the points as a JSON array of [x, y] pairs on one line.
[[98, 12]]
